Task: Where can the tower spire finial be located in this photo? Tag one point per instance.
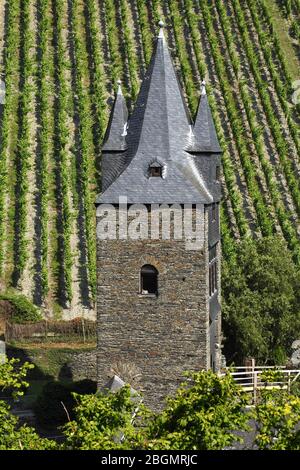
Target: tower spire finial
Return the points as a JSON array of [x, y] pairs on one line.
[[161, 25], [203, 91], [119, 82]]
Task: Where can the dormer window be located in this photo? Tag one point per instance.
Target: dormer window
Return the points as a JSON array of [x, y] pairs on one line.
[[156, 170]]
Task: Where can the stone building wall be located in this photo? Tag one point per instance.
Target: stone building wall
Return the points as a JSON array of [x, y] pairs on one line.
[[150, 341], [83, 365]]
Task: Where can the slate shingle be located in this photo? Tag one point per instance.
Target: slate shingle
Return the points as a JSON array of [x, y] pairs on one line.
[[204, 137], [114, 139], [158, 129]]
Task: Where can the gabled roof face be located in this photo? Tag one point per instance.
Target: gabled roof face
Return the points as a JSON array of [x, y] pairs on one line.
[[204, 137], [156, 164], [116, 130], [159, 129]]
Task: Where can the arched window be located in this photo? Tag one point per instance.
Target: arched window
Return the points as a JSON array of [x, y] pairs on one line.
[[149, 275]]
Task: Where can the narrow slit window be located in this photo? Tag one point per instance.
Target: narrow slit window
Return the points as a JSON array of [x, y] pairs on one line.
[[149, 280], [214, 211], [213, 270]]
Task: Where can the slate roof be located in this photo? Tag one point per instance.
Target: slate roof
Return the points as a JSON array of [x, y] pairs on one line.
[[159, 129], [204, 137], [114, 139]]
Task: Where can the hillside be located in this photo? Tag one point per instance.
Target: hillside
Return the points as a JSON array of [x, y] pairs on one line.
[[61, 60]]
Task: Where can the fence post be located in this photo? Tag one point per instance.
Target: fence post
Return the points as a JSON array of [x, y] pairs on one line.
[[7, 332], [2, 350], [46, 329], [83, 329], [254, 387]]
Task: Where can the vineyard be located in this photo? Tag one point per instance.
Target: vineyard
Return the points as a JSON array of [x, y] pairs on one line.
[[61, 60]]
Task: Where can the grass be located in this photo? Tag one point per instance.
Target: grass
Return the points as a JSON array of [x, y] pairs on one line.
[[281, 26]]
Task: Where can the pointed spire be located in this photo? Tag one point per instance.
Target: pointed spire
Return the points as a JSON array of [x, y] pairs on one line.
[[204, 138], [119, 92], [159, 129], [117, 126], [161, 30], [160, 117]]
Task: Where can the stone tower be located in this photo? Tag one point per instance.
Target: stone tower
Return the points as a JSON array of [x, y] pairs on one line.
[[158, 292]]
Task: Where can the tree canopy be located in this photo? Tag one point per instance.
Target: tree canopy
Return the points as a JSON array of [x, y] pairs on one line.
[[261, 301], [208, 412]]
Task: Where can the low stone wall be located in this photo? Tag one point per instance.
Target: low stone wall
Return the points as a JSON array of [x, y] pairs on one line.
[[83, 366], [57, 364]]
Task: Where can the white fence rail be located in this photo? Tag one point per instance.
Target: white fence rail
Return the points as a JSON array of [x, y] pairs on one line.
[[254, 379]]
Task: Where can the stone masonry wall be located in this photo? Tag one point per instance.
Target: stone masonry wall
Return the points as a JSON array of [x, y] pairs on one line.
[[150, 341], [84, 366]]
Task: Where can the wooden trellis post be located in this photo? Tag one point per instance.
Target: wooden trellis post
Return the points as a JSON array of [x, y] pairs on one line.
[[83, 329]]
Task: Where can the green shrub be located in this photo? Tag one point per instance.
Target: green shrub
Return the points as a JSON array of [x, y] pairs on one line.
[[49, 408], [24, 310]]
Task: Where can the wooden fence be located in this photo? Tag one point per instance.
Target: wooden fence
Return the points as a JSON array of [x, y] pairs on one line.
[[78, 328]]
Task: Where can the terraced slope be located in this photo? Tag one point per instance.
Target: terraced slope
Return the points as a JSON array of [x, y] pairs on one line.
[[61, 61]]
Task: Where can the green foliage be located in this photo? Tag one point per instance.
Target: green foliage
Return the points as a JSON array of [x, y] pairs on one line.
[[11, 67], [23, 145], [203, 415], [130, 49], [272, 375], [116, 69], [13, 436], [61, 148], [44, 93], [227, 164], [268, 43], [261, 301], [287, 226], [145, 29], [98, 76], [58, 78], [24, 310], [12, 377], [101, 421], [238, 130], [186, 69], [272, 118], [278, 415], [86, 173]]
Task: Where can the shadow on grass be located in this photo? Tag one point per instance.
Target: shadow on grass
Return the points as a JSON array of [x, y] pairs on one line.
[[49, 395]]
